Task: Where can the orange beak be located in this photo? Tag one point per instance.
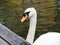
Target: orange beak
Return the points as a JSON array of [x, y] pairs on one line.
[[24, 18]]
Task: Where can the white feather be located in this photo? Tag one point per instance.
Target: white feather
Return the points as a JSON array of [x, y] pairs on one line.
[[50, 38]]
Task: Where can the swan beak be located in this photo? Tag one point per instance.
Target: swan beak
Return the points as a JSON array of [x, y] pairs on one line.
[[24, 18]]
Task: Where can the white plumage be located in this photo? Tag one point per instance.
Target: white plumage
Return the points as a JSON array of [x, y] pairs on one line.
[[50, 38], [32, 26]]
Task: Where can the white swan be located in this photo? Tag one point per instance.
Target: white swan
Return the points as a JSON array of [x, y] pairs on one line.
[[32, 14], [50, 38]]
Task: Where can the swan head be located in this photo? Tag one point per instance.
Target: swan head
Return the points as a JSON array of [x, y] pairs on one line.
[[28, 13]]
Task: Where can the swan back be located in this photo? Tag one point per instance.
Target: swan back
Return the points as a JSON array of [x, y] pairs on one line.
[[50, 38]]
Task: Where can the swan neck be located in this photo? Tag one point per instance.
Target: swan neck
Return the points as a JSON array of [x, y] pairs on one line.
[[32, 29]]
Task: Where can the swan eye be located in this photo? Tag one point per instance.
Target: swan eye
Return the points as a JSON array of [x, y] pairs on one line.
[[27, 13]]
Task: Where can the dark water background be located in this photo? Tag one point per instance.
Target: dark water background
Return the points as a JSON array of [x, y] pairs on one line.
[[48, 11]]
